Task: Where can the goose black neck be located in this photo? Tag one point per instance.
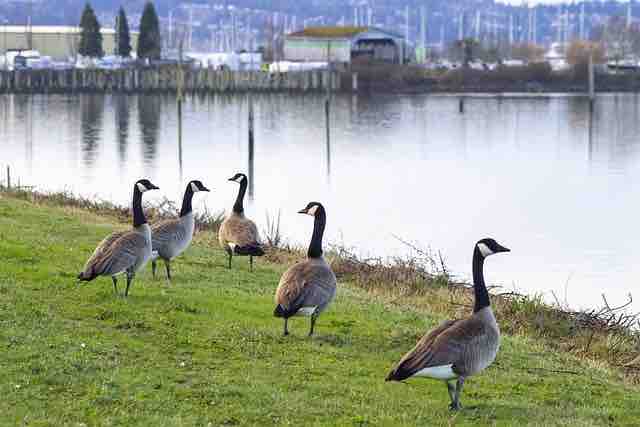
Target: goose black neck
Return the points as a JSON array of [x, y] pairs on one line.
[[479, 287], [238, 206], [138, 214], [315, 247], [186, 201]]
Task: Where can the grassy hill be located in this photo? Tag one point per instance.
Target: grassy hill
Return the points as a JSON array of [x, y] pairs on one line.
[[206, 350]]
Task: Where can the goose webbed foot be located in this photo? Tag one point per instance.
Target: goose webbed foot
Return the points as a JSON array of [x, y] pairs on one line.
[[455, 406]]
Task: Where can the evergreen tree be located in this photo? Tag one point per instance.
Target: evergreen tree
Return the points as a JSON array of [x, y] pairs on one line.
[[149, 42], [123, 38], [90, 36]]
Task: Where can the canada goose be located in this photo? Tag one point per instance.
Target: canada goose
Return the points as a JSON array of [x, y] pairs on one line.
[[125, 251], [173, 236], [238, 234], [459, 348], [308, 287]]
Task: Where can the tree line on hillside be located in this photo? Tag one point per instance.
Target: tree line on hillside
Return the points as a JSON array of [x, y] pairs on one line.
[[149, 40]]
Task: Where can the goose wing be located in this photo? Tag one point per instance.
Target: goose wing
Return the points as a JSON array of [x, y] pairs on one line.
[[443, 346], [98, 252], [115, 254], [165, 232], [304, 284]]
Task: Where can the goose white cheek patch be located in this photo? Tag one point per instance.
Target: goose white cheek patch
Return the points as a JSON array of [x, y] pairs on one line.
[[194, 188], [484, 250], [141, 187], [312, 211]]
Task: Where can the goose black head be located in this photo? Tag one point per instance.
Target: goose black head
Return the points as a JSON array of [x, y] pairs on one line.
[[145, 185], [488, 247], [197, 186], [239, 178], [313, 209]]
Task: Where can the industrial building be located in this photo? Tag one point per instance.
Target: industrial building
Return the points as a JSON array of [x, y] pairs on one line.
[[344, 44], [58, 42]]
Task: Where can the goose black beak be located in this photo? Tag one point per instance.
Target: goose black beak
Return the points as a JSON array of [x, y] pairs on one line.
[[154, 187], [503, 249], [205, 189], [303, 211]]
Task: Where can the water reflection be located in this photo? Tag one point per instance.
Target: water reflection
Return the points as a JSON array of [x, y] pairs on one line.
[[251, 150], [91, 116], [540, 173], [149, 111], [122, 117]]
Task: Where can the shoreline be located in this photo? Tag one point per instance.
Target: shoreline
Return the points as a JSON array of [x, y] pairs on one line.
[[599, 334], [206, 349]]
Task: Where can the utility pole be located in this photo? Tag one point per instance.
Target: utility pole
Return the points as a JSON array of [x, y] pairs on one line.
[[629, 15], [477, 25], [461, 26], [170, 29], [535, 25], [370, 17], [423, 34], [406, 16], [510, 31], [29, 29], [530, 25]]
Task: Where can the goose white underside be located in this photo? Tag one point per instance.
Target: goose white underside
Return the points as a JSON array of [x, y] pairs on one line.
[[306, 311], [444, 372]]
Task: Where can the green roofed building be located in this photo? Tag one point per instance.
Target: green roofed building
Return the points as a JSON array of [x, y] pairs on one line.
[[343, 44]]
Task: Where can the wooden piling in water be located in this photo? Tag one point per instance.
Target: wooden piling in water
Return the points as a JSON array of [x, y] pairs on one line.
[[461, 105], [592, 85]]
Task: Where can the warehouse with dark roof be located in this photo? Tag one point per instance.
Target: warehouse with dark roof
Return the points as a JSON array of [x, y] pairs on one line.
[[343, 44]]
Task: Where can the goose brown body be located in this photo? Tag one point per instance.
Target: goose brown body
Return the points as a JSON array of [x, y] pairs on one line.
[[118, 253], [310, 283], [468, 346], [238, 231], [308, 287], [238, 235]]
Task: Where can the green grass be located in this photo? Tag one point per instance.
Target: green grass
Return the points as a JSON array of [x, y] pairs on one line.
[[207, 351]]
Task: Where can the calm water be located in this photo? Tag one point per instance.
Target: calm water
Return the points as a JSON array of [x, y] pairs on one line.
[[535, 173]]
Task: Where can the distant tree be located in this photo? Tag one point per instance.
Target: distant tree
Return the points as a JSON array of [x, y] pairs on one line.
[[90, 36], [123, 38], [149, 41]]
